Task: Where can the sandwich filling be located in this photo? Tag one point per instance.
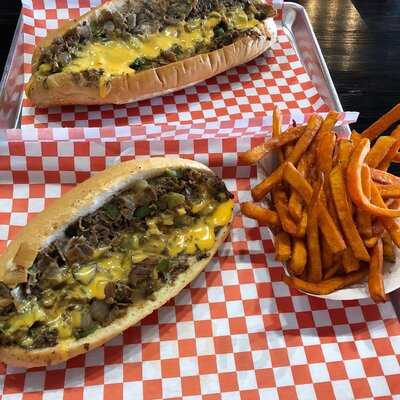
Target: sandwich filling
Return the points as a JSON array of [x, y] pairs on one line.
[[118, 256], [139, 35]]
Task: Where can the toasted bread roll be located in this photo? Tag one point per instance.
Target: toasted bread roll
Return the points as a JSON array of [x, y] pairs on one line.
[[128, 50], [105, 255]]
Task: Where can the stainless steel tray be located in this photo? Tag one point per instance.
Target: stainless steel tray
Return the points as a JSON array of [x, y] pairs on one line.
[[295, 23], [297, 27], [12, 82]]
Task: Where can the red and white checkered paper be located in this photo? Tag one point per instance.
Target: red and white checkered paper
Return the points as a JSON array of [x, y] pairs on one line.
[[236, 332], [205, 130], [248, 91]]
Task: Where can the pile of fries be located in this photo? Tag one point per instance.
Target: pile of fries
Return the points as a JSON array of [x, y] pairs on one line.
[[333, 205]]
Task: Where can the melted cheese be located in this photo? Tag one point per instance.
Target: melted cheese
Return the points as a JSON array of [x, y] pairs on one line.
[[64, 321], [115, 56], [27, 319], [109, 269], [201, 236], [222, 214], [62, 325]]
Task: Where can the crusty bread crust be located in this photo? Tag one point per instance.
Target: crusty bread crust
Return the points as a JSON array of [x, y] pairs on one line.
[[84, 198], [125, 88]]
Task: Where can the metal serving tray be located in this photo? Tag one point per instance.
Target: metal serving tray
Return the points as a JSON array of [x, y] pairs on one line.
[[295, 23]]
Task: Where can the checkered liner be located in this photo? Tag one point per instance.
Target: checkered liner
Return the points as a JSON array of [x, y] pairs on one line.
[[204, 130], [237, 332], [248, 91]]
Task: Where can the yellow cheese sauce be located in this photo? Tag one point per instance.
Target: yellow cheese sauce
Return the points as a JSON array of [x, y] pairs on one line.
[[32, 314], [115, 267], [115, 56], [201, 236]]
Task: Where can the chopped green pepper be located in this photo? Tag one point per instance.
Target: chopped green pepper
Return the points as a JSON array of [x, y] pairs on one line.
[[174, 199], [111, 210], [163, 265], [142, 212]]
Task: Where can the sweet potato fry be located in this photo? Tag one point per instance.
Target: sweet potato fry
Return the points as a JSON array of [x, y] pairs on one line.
[[385, 163], [283, 248], [391, 156], [299, 257], [364, 221], [276, 122], [390, 224], [280, 202], [288, 149], [330, 121], [383, 123], [388, 248], [354, 180], [305, 139], [257, 153], [302, 225], [336, 267], [384, 177], [277, 129], [339, 193], [345, 148], [328, 200], [304, 164], [378, 228], [325, 149], [379, 150], [324, 159], [327, 125], [375, 276], [312, 234], [355, 136], [371, 242], [327, 225], [263, 188], [261, 214], [297, 181], [326, 286], [389, 191], [326, 254], [350, 263], [295, 205]]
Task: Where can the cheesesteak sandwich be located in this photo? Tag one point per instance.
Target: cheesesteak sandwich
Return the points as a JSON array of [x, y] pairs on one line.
[[128, 50], [107, 254]]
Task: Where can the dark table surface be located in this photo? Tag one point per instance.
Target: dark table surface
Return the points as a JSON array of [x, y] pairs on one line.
[[360, 40]]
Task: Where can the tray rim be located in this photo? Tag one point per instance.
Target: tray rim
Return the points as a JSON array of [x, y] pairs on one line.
[[317, 48], [286, 5], [7, 69]]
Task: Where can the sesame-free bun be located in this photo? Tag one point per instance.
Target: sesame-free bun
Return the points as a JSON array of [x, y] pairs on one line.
[[62, 89], [49, 224]]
